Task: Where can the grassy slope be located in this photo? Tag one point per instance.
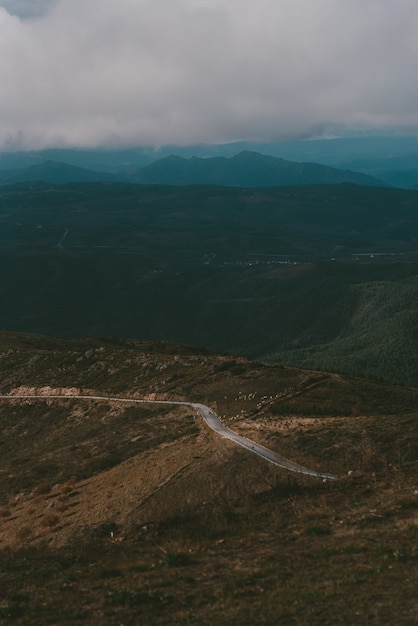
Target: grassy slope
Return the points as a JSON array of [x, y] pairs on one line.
[[117, 514]]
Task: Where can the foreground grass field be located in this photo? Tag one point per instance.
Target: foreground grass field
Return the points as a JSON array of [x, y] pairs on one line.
[[117, 514]]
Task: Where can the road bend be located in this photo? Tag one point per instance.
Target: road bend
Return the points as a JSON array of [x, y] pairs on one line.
[[211, 419]]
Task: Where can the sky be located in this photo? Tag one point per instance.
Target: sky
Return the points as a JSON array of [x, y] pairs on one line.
[[119, 73]]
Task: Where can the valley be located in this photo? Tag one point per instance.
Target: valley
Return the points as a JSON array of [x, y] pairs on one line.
[[321, 276]]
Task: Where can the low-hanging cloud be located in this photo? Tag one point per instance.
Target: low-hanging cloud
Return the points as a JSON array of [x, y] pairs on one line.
[[124, 72], [27, 9]]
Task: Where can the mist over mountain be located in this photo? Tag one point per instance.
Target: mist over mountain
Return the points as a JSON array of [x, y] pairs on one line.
[[112, 161], [395, 170], [391, 159]]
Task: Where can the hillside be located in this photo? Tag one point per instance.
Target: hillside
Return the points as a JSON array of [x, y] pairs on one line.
[[246, 169], [321, 276], [113, 512], [397, 171]]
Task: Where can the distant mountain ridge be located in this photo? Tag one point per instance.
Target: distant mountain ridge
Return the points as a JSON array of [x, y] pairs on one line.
[[53, 172], [246, 169], [392, 159]]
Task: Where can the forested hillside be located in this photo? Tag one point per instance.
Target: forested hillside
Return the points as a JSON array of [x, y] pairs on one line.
[[319, 276]]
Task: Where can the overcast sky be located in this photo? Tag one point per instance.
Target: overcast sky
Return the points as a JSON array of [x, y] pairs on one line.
[[157, 72]]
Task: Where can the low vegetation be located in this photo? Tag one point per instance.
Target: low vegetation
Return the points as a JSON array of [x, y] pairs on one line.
[[120, 514]]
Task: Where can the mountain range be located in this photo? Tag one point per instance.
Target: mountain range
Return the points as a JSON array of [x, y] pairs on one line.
[[392, 159], [247, 169]]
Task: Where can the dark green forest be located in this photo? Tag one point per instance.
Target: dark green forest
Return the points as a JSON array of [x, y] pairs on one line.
[[323, 277]]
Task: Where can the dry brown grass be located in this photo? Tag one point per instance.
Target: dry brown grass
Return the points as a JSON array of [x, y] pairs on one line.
[[168, 523]]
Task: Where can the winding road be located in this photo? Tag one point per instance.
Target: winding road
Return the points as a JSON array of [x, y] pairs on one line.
[[211, 419]]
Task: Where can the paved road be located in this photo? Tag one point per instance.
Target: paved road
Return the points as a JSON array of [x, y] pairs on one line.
[[211, 419]]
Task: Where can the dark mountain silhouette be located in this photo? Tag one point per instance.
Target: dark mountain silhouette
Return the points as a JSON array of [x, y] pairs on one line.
[[53, 172], [246, 169]]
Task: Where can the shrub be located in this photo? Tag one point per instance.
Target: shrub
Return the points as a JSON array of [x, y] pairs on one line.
[[178, 559], [42, 489], [24, 532], [50, 520], [122, 597], [317, 531], [10, 611]]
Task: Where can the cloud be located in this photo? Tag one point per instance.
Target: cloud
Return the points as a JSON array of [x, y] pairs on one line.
[[27, 9], [118, 72]]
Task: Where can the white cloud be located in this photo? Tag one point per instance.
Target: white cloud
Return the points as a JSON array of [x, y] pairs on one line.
[[93, 72]]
